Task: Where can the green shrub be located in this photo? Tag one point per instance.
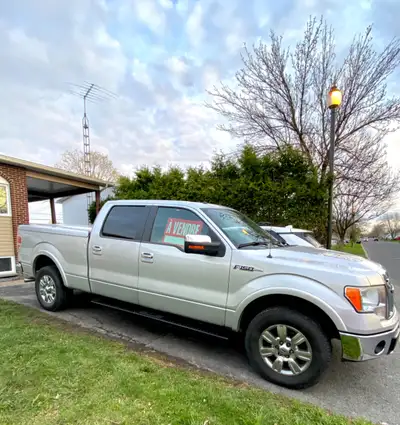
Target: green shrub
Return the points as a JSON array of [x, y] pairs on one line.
[[279, 187]]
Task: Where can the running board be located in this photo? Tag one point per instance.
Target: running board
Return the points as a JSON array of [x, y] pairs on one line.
[[166, 318]]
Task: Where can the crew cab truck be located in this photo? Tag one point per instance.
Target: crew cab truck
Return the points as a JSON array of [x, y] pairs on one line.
[[212, 265]]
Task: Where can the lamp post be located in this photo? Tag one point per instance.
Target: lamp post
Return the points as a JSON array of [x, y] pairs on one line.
[[334, 100]]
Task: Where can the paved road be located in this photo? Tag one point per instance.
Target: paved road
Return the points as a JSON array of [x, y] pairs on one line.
[[387, 254], [359, 389]]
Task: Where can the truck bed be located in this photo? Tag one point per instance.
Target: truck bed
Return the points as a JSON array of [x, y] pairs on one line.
[[57, 229], [65, 245]]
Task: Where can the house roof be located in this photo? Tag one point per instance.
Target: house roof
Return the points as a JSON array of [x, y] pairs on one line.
[[62, 200], [44, 182], [52, 171]]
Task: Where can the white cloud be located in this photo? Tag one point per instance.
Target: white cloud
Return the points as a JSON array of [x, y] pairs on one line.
[[29, 48], [210, 77], [234, 40], [393, 149], [151, 14], [159, 56], [176, 65], [194, 25], [140, 73], [166, 4]]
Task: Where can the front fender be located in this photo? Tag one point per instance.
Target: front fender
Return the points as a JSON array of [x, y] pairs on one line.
[[332, 304]]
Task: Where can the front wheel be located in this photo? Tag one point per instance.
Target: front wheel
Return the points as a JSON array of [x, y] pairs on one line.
[[287, 347]]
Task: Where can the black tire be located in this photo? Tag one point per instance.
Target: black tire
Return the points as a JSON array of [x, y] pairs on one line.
[[316, 338], [62, 295]]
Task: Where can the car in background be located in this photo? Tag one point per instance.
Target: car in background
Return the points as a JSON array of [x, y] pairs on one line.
[[292, 236]]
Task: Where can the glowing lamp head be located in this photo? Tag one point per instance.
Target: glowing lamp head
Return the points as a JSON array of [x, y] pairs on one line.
[[334, 98]]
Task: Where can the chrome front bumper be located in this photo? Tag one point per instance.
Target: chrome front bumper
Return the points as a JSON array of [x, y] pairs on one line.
[[358, 348]]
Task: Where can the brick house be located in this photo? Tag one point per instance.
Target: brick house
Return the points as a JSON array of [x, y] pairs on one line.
[[22, 182]]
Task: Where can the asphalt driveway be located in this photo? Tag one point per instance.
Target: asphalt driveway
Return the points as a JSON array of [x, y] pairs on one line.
[[368, 389]]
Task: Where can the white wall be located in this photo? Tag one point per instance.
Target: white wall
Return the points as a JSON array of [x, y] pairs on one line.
[[74, 209], [39, 212]]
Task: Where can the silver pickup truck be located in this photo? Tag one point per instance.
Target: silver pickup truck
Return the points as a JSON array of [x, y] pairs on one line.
[[213, 266]]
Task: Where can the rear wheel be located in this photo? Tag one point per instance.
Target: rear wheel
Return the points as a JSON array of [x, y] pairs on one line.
[[50, 291], [287, 347]]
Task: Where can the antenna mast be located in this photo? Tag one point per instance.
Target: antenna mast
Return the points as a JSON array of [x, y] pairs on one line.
[[89, 92], [86, 138]]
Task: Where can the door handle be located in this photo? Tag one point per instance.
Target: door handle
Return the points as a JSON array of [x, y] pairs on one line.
[[147, 255], [96, 249]]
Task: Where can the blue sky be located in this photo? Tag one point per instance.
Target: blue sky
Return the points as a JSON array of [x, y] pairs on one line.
[[159, 56]]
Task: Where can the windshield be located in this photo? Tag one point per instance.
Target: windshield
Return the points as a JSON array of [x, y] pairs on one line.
[[293, 239], [277, 236], [309, 237], [239, 228], [301, 238]]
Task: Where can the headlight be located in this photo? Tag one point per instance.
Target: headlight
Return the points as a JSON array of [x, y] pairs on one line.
[[368, 300]]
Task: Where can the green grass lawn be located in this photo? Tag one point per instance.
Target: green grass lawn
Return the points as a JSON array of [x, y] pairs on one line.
[[356, 249], [54, 373]]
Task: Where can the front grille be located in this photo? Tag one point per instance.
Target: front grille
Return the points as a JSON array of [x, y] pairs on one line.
[[390, 296]]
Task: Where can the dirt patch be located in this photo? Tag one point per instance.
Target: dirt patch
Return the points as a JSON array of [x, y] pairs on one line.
[[11, 282]]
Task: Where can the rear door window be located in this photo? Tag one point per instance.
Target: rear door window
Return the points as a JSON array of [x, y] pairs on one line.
[[125, 222]]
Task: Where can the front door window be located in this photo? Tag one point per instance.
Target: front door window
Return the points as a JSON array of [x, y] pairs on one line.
[[173, 224]]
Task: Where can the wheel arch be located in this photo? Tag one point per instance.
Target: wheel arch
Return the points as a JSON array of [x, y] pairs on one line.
[[292, 301], [46, 260]]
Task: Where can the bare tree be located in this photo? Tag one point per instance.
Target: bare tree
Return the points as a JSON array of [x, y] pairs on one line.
[[364, 193], [101, 165], [280, 98], [392, 221], [378, 230]]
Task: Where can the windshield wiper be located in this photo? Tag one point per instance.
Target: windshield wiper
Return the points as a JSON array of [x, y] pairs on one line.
[[266, 243], [255, 243]]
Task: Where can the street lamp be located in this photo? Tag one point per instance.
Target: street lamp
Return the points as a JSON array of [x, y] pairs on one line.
[[334, 100]]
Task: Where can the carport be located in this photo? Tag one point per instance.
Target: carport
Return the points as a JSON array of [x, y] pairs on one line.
[[22, 182], [52, 185]]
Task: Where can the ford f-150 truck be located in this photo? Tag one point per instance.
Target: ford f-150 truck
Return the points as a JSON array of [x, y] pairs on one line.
[[213, 266]]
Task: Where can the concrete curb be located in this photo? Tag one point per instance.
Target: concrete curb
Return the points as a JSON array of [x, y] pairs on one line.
[[365, 252]]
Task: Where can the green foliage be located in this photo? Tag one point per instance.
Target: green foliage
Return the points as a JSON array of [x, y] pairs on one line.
[[355, 233], [52, 373], [92, 209], [351, 248], [279, 187]]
